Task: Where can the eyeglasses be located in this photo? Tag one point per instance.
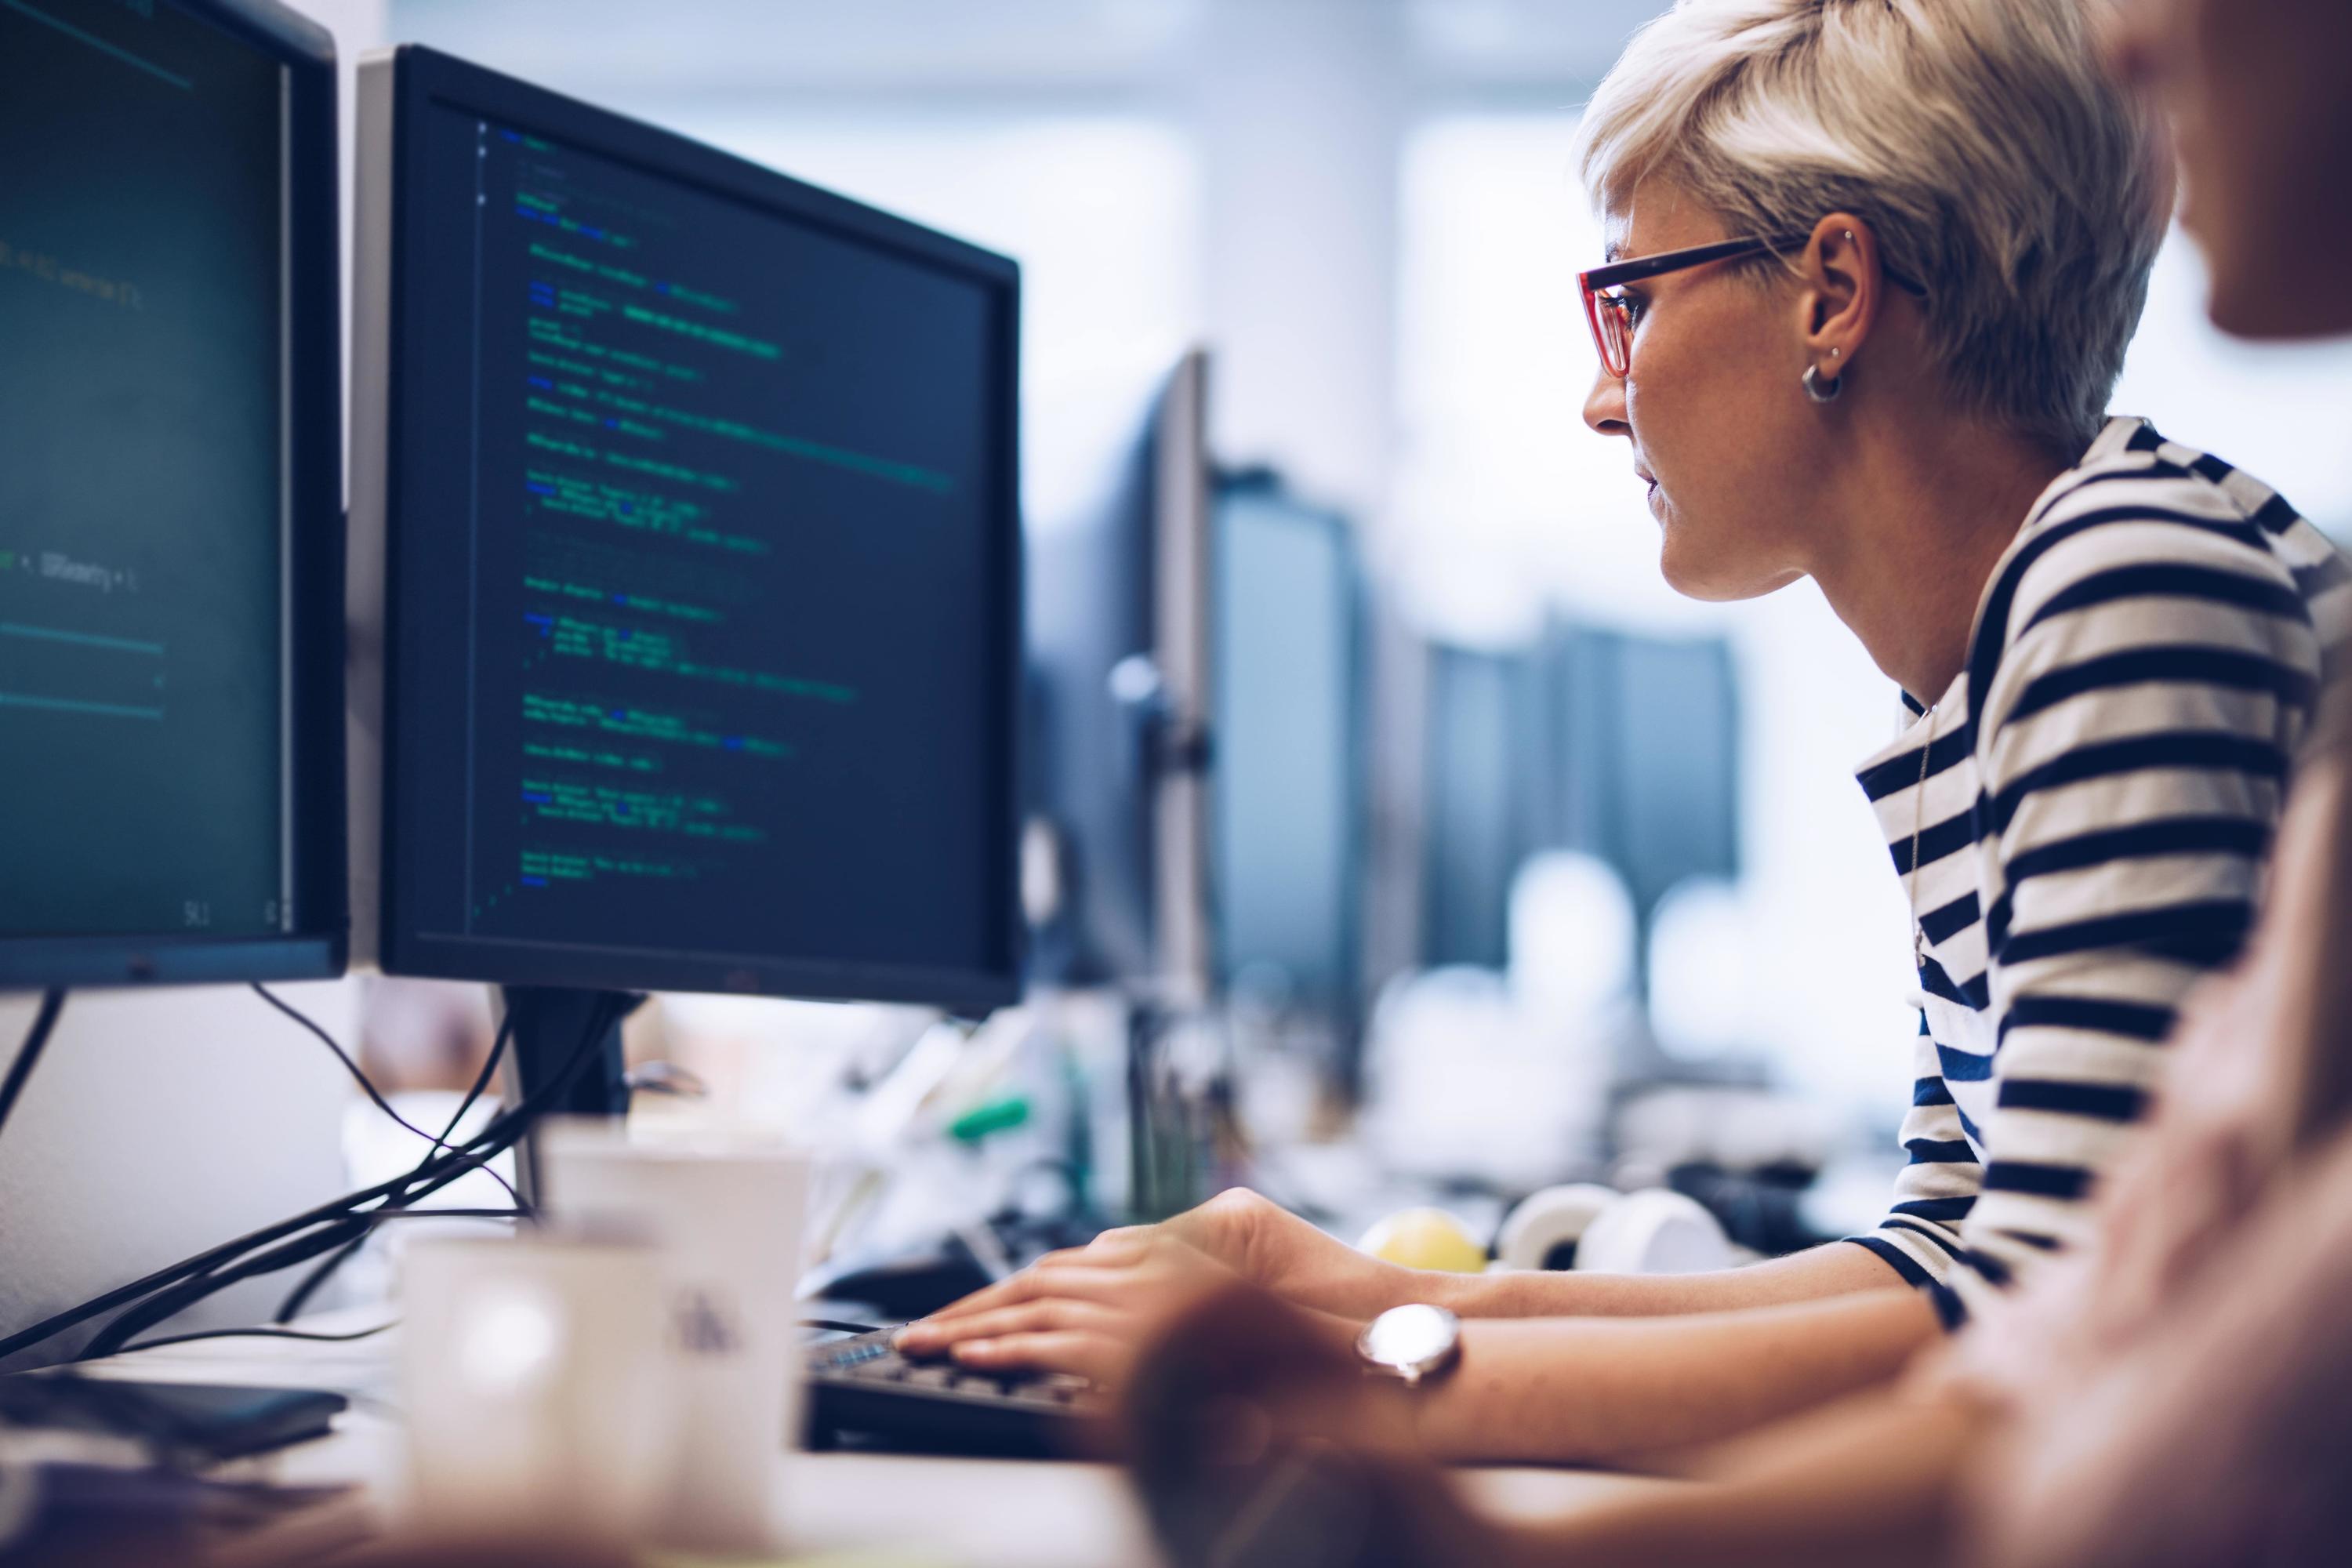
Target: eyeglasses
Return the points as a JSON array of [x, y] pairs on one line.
[[1610, 312]]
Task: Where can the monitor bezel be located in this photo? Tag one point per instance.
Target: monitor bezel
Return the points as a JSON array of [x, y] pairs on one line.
[[422, 77], [316, 946]]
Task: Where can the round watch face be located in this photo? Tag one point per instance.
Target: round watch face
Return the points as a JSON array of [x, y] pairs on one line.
[[1410, 1339]]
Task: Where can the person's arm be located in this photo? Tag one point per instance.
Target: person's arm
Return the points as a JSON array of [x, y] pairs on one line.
[[1816, 1274], [1567, 1391], [1545, 1390], [1277, 1251], [2215, 1435], [1249, 1427]]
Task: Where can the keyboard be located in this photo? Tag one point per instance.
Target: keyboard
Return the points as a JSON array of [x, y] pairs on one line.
[[863, 1392]]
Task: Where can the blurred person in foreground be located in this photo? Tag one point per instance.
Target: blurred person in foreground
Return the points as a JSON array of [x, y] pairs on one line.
[[2178, 1390], [1873, 268]]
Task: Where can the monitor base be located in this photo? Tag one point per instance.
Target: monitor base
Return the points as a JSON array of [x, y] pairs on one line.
[[549, 1024]]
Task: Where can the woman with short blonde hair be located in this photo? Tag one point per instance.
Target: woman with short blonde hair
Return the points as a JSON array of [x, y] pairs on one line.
[[2003, 174], [1872, 265]]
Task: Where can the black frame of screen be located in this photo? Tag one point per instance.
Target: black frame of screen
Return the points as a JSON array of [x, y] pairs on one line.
[[313, 602], [424, 78]]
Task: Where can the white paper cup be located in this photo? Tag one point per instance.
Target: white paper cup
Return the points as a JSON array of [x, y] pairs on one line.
[[533, 1388], [727, 1214]]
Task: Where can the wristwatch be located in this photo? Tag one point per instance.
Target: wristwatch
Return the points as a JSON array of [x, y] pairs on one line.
[[1411, 1345]]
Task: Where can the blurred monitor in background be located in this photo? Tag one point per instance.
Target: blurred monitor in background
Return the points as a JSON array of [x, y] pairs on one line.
[[1288, 787], [1622, 747], [1484, 783], [1644, 753], [1119, 649]]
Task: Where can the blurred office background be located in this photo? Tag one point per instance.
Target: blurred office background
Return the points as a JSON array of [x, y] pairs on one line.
[[1569, 777]]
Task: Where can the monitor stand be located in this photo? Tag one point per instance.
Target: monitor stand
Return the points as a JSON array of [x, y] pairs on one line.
[[548, 1024]]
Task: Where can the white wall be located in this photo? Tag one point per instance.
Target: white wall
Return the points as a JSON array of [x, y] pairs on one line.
[[160, 1123]]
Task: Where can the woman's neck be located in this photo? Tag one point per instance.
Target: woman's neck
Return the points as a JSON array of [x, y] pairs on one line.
[[1917, 527]]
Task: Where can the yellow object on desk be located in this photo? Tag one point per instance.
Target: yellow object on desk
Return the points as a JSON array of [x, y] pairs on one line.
[[1425, 1239]]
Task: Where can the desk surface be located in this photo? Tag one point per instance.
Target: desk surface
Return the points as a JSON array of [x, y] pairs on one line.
[[972, 1513]]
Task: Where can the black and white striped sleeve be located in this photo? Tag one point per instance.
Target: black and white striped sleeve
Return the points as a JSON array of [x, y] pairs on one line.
[[1920, 1238], [2133, 722]]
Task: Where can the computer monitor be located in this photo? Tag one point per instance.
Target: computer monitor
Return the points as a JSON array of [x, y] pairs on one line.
[[1484, 783], [1289, 797], [171, 493], [1121, 643], [686, 494], [1643, 751]]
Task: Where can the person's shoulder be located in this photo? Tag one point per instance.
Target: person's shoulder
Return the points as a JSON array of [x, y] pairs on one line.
[[2142, 519]]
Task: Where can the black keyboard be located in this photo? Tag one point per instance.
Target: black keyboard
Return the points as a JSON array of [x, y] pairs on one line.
[[862, 1392]]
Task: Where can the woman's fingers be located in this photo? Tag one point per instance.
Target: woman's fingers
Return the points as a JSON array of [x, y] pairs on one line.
[[1028, 1317], [1120, 1250], [1029, 1285], [1101, 1357]]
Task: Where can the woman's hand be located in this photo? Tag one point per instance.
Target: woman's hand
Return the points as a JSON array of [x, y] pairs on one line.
[[1085, 1309], [1275, 1250]]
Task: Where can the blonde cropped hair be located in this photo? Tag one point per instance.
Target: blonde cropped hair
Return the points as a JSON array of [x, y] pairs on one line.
[[1995, 159]]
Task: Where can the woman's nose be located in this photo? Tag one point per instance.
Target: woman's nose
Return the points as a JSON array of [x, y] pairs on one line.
[[1604, 405]]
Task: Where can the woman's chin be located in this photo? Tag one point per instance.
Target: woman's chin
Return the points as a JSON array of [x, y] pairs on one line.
[[1713, 581]]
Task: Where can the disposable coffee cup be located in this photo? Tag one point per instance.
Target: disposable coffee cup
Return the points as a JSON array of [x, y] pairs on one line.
[[726, 1214], [536, 1401]]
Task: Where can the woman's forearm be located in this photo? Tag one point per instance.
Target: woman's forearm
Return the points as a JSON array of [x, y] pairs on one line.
[[1816, 1274], [1554, 1390]]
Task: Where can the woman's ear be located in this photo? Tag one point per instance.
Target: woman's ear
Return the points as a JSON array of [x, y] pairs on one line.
[[1840, 293]]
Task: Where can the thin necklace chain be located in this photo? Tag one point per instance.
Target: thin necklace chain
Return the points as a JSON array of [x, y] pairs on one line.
[[1918, 824]]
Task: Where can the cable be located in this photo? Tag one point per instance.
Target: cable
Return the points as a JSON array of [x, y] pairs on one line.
[[500, 1134], [481, 1082], [202, 1277], [171, 1301], [299, 1297], [37, 1040], [262, 1335], [361, 1078]]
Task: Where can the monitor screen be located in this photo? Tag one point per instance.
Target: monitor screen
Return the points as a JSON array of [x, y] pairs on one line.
[[1644, 756], [1288, 783], [704, 567], [1483, 784], [167, 174]]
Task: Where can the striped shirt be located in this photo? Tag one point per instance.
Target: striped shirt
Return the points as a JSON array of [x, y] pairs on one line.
[[2091, 801]]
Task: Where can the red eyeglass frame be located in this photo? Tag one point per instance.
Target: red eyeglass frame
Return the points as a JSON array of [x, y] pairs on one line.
[[1612, 333]]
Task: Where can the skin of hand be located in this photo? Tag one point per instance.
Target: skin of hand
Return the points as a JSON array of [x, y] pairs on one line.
[[1545, 1390], [1264, 1244], [1633, 1392], [1253, 1441], [1059, 1312], [1085, 1310]]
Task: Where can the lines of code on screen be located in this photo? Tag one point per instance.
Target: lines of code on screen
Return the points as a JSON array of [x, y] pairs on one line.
[[702, 548], [142, 776]]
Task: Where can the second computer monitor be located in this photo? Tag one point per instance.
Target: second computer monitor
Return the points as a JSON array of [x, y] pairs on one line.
[[171, 496], [1121, 617], [1290, 783], [701, 561]]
